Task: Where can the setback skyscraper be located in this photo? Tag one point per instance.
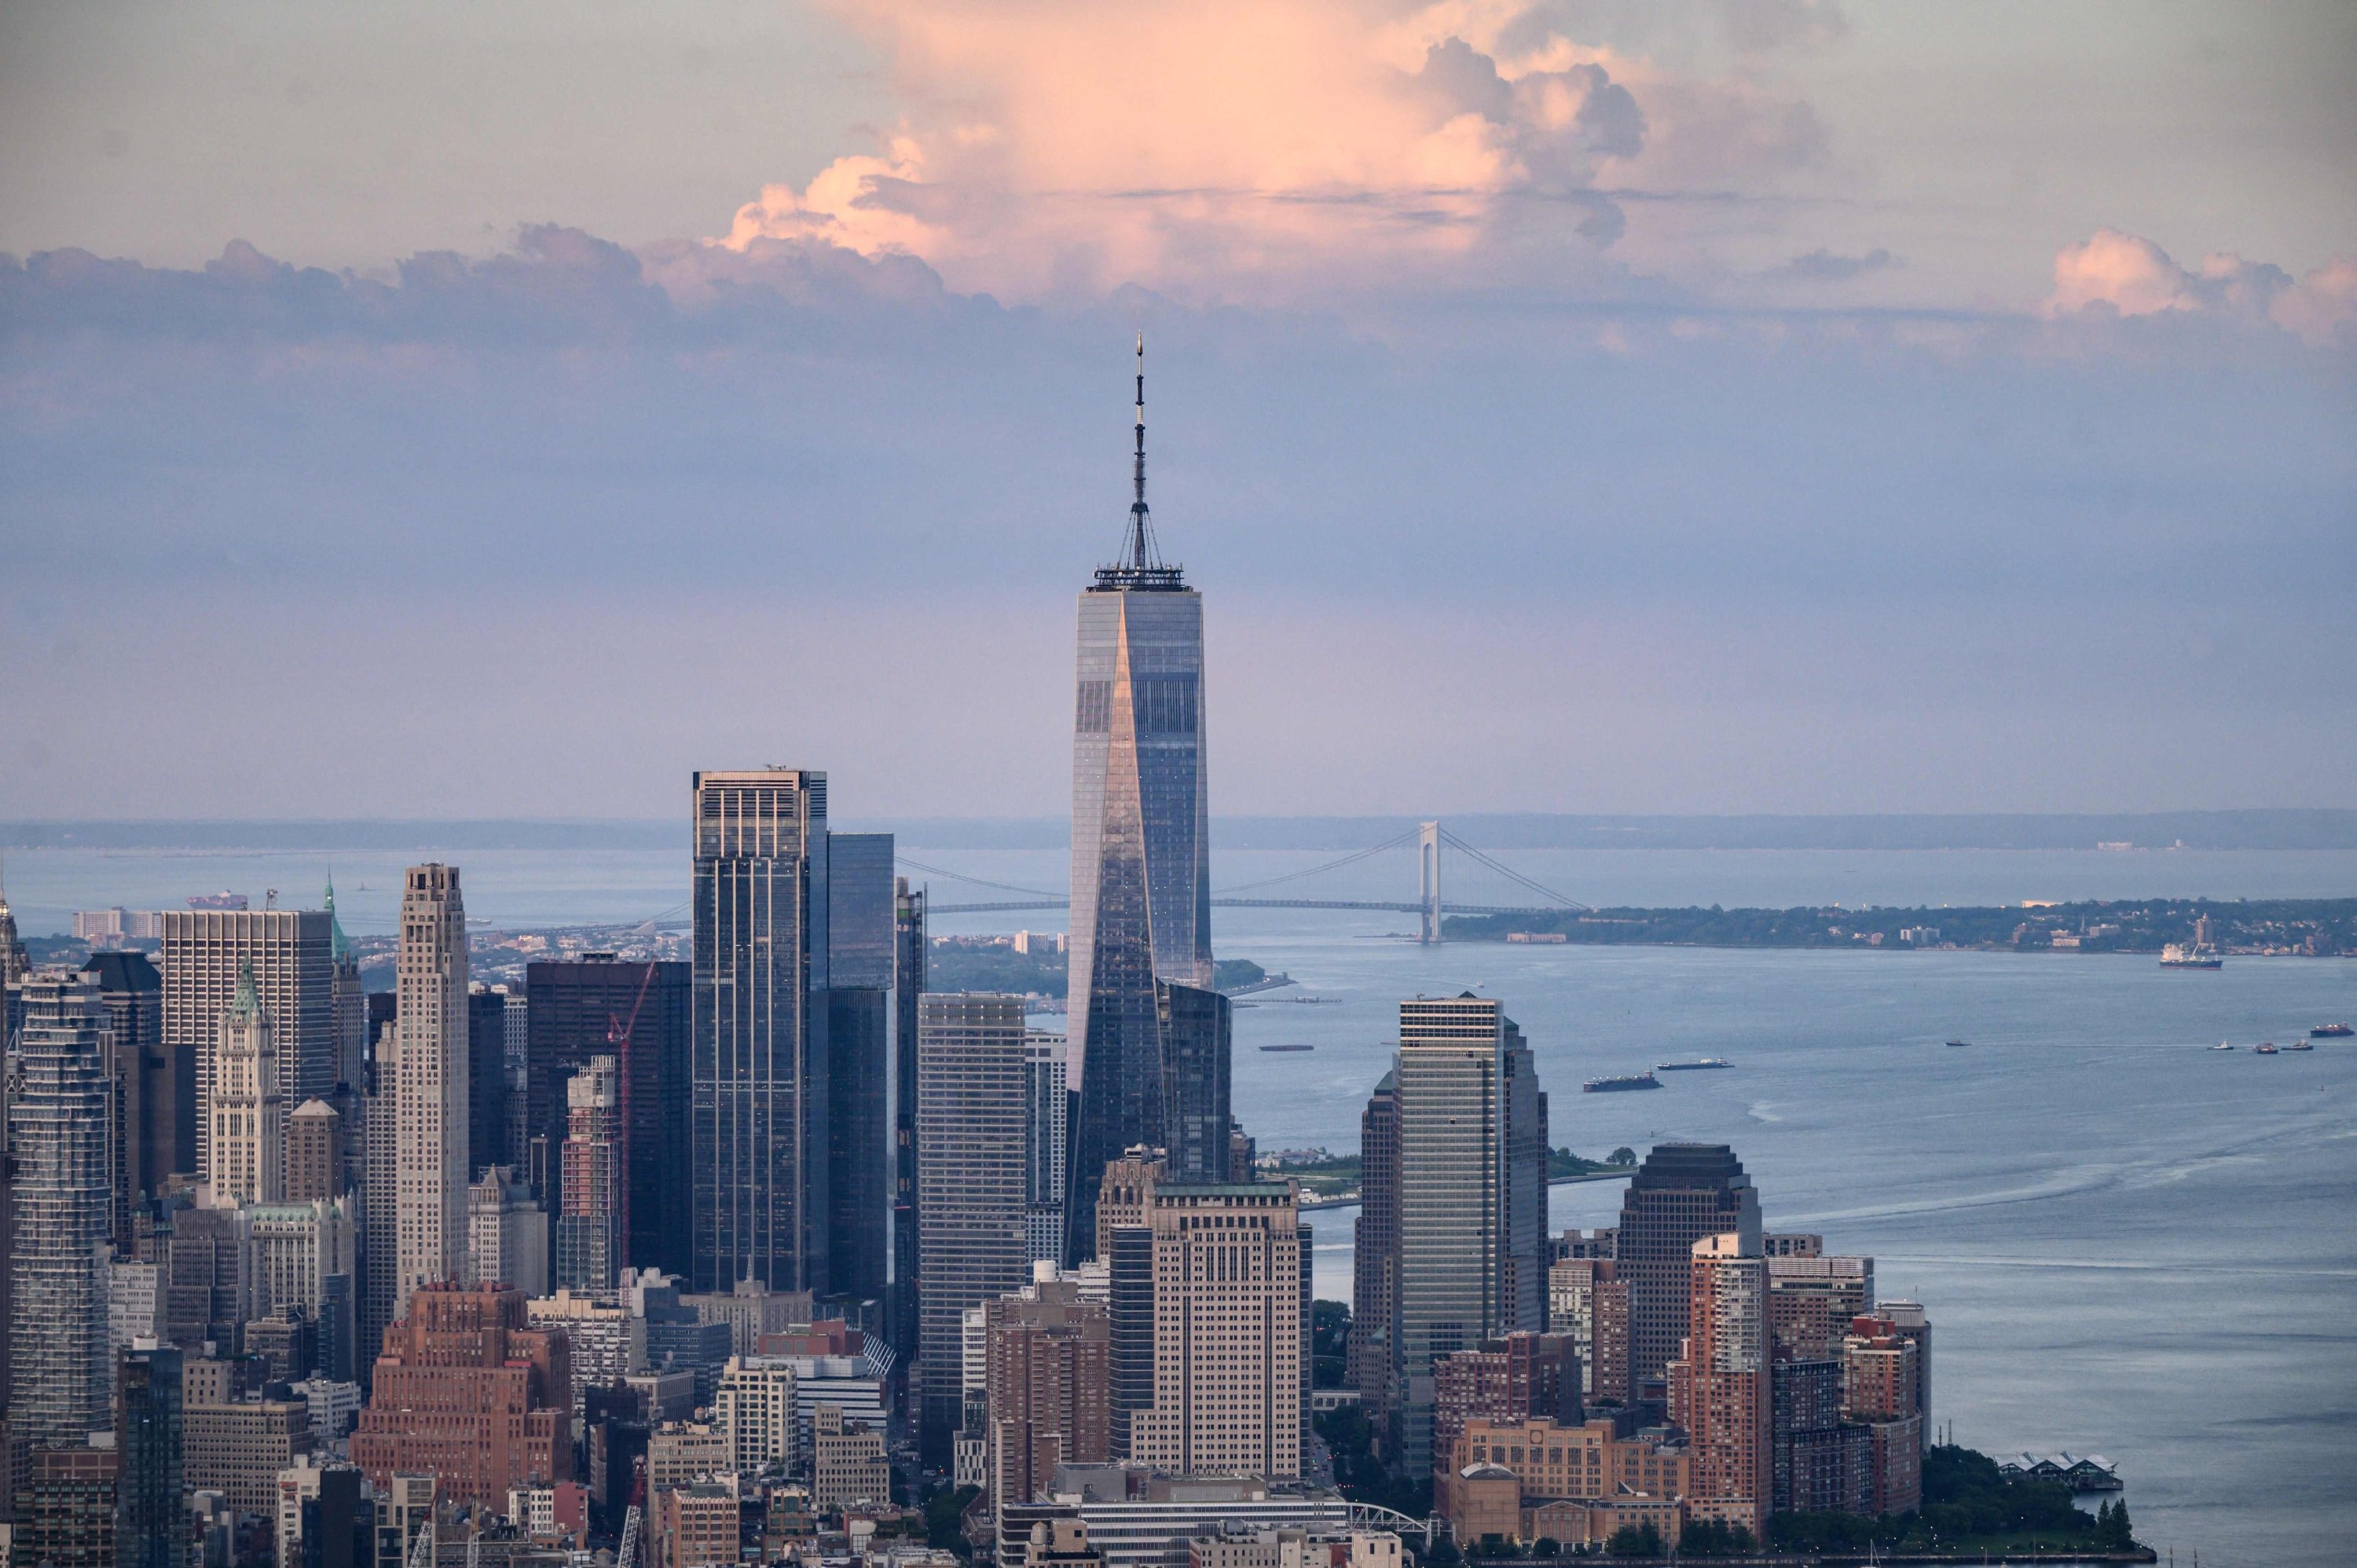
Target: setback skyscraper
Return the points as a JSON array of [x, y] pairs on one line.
[[430, 1083], [1141, 848], [757, 1132]]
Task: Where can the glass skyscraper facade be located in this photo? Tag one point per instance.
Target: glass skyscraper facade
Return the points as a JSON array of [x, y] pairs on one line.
[[758, 1097], [1141, 848]]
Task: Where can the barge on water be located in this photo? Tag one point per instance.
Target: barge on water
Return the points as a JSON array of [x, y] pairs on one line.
[[1618, 1084]]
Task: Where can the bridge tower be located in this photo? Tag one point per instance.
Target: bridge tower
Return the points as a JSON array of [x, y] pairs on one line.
[[1427, 880]]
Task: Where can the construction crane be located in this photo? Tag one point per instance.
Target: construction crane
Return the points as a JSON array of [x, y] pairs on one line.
[[421, 1543], [626, 1556], [618, 1039]]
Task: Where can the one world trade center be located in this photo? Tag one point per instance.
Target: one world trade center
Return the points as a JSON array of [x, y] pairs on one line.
[[1148, 1036]]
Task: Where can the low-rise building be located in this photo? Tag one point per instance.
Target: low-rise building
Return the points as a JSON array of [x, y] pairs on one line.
[[697, 1526], [847, 1462]]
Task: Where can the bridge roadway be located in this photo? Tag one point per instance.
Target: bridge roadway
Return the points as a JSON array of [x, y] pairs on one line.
[[1402, 908]]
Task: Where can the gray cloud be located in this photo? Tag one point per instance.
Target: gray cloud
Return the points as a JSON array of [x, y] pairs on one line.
[[1821, 265]]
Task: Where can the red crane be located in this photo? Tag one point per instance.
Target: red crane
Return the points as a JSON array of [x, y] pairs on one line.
[[618, 1035]]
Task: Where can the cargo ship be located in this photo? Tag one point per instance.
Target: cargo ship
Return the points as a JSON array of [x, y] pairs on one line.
[[2175, 956], [1705, 1064], [216, 901], [2330, 1032], [1624, 1082]]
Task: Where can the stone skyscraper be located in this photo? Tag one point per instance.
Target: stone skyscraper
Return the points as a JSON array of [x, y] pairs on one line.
[[1472, 1195], [291, 952], [1141, 848], [429, 1069], [249, 1115], [757, 1100], [59, 1372]]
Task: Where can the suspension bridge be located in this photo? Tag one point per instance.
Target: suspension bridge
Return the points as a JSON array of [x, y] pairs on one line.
[[1429, 840]]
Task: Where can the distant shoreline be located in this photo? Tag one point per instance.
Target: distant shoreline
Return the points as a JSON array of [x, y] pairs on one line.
[[2153, 831]]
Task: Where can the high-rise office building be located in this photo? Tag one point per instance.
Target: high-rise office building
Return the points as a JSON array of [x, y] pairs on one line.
[[467, 1390], [589, 1227], [507, 1234], [1048, 1368], [65, 1507], [249, 1115], [757, 1137], [1374, 1262], [1197, 1133], [1141, 844], [637, 1012], [60, 1376], [150, 1096], [1472, 1216], [208, 1277], [16, 964], [291, 952], [347, 1002], [148, 1517], [487, 1078], [316, 1164], [1681, 1193], [909, 950], [972, 1181], [1719, 1384], [860, 949], [304, 1256], [430, 1083], [1046, 1111], [1226, 1263]]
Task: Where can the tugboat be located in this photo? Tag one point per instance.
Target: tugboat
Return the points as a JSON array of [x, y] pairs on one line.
[[2330, 1032], [2299, 1046], [1957, 1045], [1616, 1085], [2222, 1046], [2263, 1049]]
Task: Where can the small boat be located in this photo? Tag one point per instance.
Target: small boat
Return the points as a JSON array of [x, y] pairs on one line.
[[2265, 1048], [1958, 1043], [2300, 1045], [1288, 1048], [2330, 1032], [1705, 1065], [1616, 1084], [2222, 1046]]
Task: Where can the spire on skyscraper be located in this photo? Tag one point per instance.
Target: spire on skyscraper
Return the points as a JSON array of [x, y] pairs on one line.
[[338, 948], [1141, 564]]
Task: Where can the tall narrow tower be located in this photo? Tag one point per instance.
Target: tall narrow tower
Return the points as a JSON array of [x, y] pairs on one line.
[[249, 1117], [1141, 848], [430, 1083], [58, 1361]]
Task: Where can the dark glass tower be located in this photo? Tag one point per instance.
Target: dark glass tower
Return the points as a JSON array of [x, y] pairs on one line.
[[148, 1517], [759, 1100], [909, 952], [635, 1011], [1141, 848], [860, 944], [1681, 1193]]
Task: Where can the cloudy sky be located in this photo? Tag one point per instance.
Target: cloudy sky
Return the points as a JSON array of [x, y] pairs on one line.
[[450, 410]]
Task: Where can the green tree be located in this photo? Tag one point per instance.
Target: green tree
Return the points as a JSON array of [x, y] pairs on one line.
[[943, 1511], [1624, 1155]]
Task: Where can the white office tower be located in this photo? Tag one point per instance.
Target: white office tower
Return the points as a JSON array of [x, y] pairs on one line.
[[58, 1354], [429, 1069], [249, 1130]]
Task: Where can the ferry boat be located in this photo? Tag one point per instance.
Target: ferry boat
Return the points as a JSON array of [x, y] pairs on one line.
[[2178, 955], [1705, 1065], [1624, 1082], [2330, 1032], [216, 901], [2265, 1048]]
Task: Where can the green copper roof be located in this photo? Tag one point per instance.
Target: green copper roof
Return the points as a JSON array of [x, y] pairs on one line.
[[246, 1004]]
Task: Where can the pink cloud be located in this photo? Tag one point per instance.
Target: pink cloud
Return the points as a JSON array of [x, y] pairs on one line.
[[2130, 275], [1269, 149]]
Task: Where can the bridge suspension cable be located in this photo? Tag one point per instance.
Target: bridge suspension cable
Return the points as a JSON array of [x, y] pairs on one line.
[[1406, 837], [1509, 872], [977, 881]]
